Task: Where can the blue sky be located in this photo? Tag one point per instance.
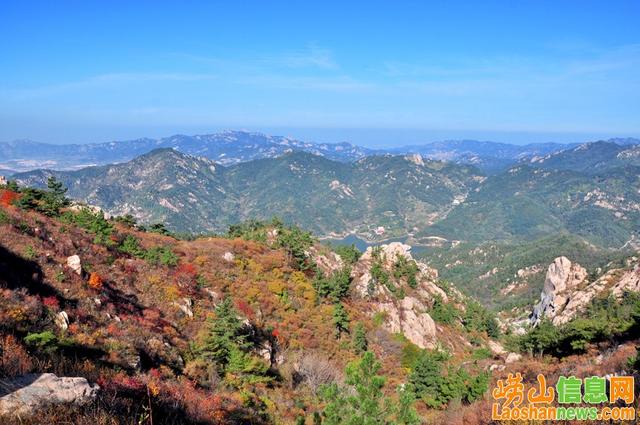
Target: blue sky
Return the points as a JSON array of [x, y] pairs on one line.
[[375, 73]]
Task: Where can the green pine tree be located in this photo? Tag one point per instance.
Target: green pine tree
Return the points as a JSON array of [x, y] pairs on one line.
[[360, 343], [340, 320], [225, 334], [362, 400], [55, 198]]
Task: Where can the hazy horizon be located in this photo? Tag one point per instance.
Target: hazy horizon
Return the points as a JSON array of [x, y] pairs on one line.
[[370, 138]]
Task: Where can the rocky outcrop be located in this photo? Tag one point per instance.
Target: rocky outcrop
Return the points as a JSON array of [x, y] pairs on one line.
[[566, 292], [185, 305], [407, 315], [27, 393], [388, 255], [329, 262], [62, 320], [561, 281], [75, 264]]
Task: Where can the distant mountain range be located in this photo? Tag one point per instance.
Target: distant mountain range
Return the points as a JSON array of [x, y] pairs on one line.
[[232, 147], [591, 190], [194, 194]]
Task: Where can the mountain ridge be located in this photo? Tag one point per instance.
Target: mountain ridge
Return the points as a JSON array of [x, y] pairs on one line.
[[231, 147]]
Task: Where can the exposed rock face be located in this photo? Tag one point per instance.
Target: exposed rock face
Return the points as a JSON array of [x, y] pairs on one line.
[[561, 281], [407, 315], [409, 318], [563, 304], [185, 305], [328, 262], [496, 348], [512, 358], [361, 273], [75, 264], [25, 394], [228, 257], [62, 320]]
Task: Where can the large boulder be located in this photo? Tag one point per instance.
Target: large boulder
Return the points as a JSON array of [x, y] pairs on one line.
[[25, 394], [408, 317], [75, 264]]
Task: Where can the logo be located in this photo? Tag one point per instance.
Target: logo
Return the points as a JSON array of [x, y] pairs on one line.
[[592, 398]]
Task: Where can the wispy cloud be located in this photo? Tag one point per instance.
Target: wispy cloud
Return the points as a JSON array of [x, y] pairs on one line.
[[312, 56], [104, 81]]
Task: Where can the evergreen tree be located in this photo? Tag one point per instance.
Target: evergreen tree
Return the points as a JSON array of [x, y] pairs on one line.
[[426, 378], [407, 414], [360, 343], [340, 320], [226, 333], [54, 199], [362, 402]]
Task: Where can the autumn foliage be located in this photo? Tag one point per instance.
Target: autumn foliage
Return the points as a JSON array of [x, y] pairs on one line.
[[95, 281], [7, 197]]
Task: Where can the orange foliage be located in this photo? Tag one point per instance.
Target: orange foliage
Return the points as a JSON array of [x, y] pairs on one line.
[[7, 197], [95, 281], [187, 269]]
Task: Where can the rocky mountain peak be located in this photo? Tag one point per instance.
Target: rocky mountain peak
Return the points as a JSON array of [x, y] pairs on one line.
[[406, 314], [562, 279], [567, 293]]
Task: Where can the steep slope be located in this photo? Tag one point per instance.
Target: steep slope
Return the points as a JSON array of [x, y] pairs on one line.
[[568, 290], [506, 275], [134, 312]]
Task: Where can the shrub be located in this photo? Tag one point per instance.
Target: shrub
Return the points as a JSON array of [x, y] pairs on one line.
[[349, 253], [51, 302], [4, 218], [442, 312], [161, 255], [45, 341], [14, 359], [159, 228], [94, 222], [30, 253], [407, 269], [130, 245], [8, 197], [95, 281]]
